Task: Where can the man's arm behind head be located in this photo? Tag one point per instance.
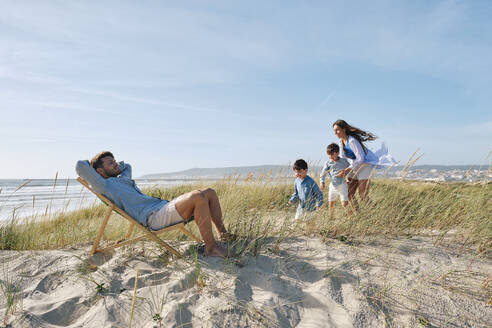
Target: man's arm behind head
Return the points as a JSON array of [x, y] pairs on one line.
[[126, 170], [89, 174]]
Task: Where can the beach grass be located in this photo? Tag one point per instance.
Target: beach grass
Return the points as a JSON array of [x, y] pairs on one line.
[[11, 292], [257, 208]]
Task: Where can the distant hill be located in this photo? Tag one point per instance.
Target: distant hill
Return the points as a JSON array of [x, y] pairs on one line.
[[277, 170]]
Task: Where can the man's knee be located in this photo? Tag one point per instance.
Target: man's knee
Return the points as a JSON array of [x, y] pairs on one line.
[[209, 193], [197, 196]]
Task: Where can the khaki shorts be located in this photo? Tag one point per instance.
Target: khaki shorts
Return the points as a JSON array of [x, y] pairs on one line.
[[340, 190], [166, 216], [362, 173]]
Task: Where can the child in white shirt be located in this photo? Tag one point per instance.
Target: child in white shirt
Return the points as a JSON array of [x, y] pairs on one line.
[[338, 186]]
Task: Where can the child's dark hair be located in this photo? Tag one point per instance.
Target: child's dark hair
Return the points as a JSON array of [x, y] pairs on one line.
[[300, 164], [332, 148]]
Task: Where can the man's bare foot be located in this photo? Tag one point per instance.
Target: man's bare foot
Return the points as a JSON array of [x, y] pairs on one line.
[[217, 251]]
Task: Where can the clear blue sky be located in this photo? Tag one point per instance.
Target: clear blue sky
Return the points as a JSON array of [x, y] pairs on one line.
[[169, 85]]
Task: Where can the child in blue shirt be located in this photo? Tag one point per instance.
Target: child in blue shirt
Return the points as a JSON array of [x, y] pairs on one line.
[[306, 191]]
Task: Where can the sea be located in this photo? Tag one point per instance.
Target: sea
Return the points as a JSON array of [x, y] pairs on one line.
[[38, 198]]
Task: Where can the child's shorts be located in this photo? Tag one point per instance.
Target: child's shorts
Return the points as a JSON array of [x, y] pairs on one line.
[[166, 216], [299, 213], [335, 191]]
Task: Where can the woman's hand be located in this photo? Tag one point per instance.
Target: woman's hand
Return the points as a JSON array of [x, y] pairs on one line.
[[343, 173]]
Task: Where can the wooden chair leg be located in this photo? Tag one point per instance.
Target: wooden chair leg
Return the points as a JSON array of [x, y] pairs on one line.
[[130, 230], [190, 234], [101, 230], [160, 242]]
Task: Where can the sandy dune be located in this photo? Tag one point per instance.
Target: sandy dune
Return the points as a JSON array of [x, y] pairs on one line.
[[302, 282]]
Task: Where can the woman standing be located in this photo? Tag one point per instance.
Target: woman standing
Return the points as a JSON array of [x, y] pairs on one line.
[[363, 159]]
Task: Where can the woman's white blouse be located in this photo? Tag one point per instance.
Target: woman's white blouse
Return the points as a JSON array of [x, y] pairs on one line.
[[380, 159]]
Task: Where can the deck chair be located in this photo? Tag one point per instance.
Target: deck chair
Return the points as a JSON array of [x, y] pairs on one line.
[[147, 233]]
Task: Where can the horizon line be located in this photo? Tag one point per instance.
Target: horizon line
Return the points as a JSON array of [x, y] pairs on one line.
[[246, 166]]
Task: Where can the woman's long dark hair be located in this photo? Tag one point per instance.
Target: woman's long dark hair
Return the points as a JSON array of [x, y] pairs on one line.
[[357, 133]]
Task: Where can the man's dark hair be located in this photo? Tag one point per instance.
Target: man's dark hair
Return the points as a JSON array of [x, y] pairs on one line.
[[332, 148], [300, 164], [96, 161]]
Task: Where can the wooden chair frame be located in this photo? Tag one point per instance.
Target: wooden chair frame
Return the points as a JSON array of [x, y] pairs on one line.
[[147, 233]]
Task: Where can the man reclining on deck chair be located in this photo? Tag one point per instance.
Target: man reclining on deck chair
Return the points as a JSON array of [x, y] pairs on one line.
[[114, 180]]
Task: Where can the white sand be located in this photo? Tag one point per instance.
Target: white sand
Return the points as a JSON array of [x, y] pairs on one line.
[[303, 283]]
